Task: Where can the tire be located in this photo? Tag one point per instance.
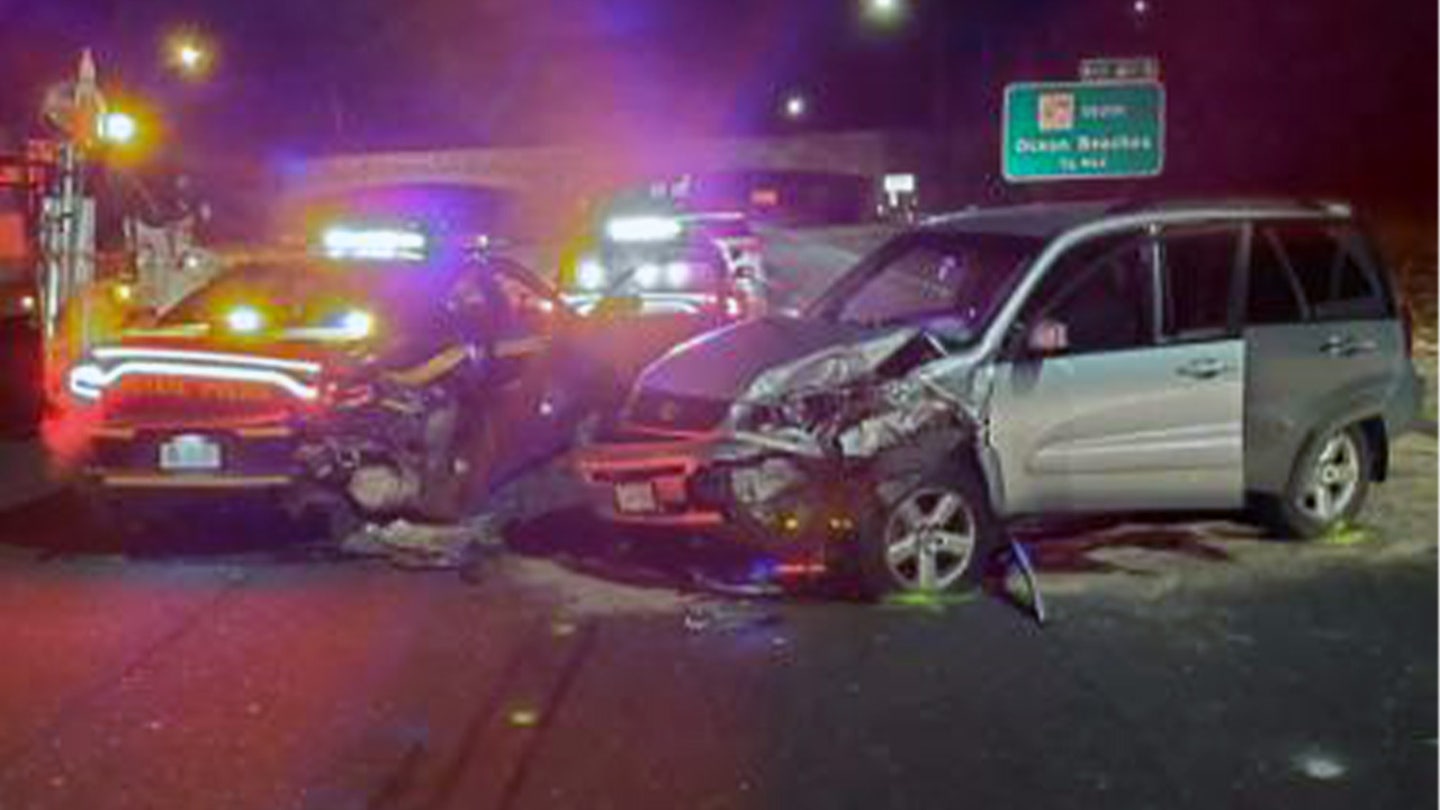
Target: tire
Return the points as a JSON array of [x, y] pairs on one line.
[[339, 520], [906, 544], [1343, 457]]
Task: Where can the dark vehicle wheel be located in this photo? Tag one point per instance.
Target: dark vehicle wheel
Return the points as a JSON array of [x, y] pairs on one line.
[[937, 535], [1328, 486], [339, 521]]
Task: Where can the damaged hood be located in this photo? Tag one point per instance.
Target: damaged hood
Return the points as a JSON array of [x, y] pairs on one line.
[[725, 364]]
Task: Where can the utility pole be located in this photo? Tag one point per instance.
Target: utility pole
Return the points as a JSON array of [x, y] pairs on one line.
[[67, 238]]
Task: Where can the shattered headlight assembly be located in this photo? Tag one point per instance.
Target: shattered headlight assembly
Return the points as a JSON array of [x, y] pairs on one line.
[[768, 425], [770, 492], [797, 422], [793, 408]]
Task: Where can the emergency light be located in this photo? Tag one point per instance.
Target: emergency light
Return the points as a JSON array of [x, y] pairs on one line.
[[591, 274], [109, 365], [244, 320], [643, 229], [373, 244]]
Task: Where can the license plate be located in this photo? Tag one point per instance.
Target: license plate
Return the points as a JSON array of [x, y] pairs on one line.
[[190, 451], [636, 497]]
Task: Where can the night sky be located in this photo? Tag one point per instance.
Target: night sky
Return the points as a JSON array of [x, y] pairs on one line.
[[1322, 93]]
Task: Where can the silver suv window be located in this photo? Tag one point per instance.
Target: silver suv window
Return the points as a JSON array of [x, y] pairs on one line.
[[1327, 260], [1199, 273], [953, 283], [1273, 295], [1102, 291]]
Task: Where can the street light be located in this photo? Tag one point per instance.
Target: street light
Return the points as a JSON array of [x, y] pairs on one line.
[[188, 55], [796, 106], [885, 12]]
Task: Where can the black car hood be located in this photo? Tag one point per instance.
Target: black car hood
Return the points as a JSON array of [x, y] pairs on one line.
[[721, 365]]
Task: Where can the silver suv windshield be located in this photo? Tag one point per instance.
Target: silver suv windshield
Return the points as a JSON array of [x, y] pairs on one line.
[[951, 283]]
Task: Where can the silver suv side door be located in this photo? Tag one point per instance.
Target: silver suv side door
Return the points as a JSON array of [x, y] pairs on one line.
[[1144, 408], [1324, 347]]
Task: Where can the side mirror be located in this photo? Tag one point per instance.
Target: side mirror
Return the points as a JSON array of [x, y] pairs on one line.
[[1047, 338]]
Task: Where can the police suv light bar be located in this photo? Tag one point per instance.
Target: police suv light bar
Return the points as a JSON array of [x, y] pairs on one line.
[[376, 244], [643, 229]]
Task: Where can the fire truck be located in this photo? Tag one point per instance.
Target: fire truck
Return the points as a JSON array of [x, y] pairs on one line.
[[24, 174]]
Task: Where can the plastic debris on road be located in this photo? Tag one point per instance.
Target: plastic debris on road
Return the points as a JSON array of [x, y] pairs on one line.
[[524, 718], [728, 617], [1319, 765], [746, 588], [421, 545]]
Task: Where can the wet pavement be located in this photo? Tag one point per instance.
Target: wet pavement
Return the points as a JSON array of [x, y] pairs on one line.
[[1186, 664]]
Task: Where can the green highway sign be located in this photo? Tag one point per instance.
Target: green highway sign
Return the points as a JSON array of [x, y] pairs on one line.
[[1078, 130]]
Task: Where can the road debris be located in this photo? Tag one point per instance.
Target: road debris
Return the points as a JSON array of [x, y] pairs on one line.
[[749, 588], [728, 617], [421, 545], [524, 718], [1319, 765], [580, 596]]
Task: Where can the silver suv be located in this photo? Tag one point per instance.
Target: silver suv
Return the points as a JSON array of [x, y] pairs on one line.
[[1045, 359]]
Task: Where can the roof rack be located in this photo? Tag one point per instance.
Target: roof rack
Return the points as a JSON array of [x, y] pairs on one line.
[[1144, 204]]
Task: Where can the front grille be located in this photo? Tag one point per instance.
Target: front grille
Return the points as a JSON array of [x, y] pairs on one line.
[[675, 412]]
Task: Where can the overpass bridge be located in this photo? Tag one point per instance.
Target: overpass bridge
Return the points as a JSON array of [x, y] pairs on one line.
[[547, 185]]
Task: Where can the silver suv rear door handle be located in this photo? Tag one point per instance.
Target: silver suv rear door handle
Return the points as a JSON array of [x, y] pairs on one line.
[[1203, 368], [1347, 346]]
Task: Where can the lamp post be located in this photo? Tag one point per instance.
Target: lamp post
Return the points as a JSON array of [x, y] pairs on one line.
[[189, 55], [885, 12], [796, 106]]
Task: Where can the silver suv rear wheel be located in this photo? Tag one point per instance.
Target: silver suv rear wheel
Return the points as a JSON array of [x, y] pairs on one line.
[[1328, 485], [1332, 481]]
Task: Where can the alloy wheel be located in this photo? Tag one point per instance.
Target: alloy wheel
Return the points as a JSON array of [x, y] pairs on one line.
[[930, 539]]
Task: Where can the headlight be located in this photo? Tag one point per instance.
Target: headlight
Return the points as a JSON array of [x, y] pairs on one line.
[[590, 275], [648, 275], [357, 324], [677, 274], [86, 381]]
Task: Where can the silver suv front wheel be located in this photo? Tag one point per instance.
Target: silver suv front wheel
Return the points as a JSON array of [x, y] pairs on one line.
[[934, 536], [930, 539]]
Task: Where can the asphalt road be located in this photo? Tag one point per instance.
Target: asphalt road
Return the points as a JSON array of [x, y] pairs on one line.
[[1185, 665]]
